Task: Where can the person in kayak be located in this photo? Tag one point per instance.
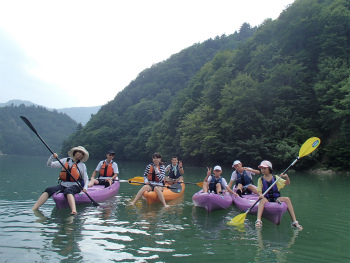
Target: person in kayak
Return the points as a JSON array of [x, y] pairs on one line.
[[75, 165], [107, 171], [153, 178], [214, 182], [175, 170], [273, 195], [243, 177]]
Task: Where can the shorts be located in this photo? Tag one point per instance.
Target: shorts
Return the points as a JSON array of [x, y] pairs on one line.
[[74, 189]]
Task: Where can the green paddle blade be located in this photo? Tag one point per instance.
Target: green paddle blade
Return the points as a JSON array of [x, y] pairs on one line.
[[237, 220], [309, 146]]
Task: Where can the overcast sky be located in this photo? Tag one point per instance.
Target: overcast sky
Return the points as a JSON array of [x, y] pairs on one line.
[[79, 53]]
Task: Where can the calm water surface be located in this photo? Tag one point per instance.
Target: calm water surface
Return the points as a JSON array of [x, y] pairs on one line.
[[118, 232]]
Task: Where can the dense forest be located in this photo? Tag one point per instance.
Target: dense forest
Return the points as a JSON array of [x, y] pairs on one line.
[[17, 138], [257, 94]]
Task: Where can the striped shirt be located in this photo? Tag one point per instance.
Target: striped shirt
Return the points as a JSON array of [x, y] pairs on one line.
[[160, 174]]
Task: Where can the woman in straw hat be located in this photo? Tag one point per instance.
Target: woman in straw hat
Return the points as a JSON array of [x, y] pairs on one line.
[[75, 165]]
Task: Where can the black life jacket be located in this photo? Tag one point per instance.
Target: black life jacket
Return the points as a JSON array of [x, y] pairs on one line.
[[273, 192]]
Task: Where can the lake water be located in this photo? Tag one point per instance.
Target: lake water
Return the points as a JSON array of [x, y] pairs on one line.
[[118, 232]]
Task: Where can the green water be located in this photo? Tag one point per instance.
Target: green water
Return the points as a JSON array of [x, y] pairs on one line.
[[117, 232]]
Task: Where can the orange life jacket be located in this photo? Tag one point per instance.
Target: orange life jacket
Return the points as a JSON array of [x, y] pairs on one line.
[[106, 171], [64, 176], [152, 175]]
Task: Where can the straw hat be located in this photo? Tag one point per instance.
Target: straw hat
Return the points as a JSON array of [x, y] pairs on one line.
[[82, 149]]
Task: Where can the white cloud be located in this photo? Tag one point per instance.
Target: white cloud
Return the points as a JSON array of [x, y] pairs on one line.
[[90, 50]]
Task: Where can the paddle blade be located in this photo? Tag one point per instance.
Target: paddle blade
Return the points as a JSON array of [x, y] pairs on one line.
[[309, 146], [237, 220], [135, 183], [29, 124], [200, 184], [137, 179]]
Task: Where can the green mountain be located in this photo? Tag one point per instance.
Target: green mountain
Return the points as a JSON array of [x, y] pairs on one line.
[[79, 114], [17, 138], [257, 94]]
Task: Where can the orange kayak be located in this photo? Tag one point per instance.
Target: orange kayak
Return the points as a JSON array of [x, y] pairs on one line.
[[169, 194]]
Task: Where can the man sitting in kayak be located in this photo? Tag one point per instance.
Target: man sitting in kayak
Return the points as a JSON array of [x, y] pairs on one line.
[[107, 169], [154, 179], [243, 177], [273, 195], [214, 182], [175, 170]]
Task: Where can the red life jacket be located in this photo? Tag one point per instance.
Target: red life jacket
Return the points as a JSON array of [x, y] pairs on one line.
[[106, 171], [64, 176], [152, 175]]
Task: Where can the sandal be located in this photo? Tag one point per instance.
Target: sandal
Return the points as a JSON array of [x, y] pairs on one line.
[[73, 213], [295, 224], [258, 224]]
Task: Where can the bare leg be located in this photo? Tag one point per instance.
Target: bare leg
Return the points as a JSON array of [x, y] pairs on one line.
[[92, 182], [218, 188], [261, 208], [42, 199], [140, 193], [290, 207], [205, 187], [159, 191], [252, 189], [71, 202]]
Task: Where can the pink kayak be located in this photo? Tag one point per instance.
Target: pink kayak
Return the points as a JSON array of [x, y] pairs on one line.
[[97, 193], [212, 201], [273, 211]]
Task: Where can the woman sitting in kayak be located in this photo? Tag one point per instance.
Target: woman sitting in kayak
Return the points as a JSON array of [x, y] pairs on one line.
[[214, 182], [75, 165], [273, 195], [154, 179]]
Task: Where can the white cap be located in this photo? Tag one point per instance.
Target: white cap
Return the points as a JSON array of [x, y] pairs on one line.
[[217, 168], [266, 164], [236, 162]]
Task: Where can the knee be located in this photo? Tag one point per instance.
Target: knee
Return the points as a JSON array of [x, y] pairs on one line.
[[67, 191]]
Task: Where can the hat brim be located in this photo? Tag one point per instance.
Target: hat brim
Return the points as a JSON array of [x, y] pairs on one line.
[[82, 149], [265, 166]]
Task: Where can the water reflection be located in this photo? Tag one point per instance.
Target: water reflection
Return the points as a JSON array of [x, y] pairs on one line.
[[276, 244], [117, 232]]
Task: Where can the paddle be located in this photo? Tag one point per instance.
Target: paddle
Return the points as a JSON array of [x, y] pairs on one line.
[[308, 147], [26, 121], [176, 188], [140, 179], [200, 184]]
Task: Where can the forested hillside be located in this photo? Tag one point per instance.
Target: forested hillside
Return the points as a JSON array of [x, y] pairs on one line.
[[257, 100], [17, 138]]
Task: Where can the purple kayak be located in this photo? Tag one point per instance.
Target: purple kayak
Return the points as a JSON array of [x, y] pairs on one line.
[[273, 211], [97, 193], [212, 201]]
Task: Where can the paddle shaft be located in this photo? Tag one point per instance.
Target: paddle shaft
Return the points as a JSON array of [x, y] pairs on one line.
[[166, 186], [26, 121], [268, 189]]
